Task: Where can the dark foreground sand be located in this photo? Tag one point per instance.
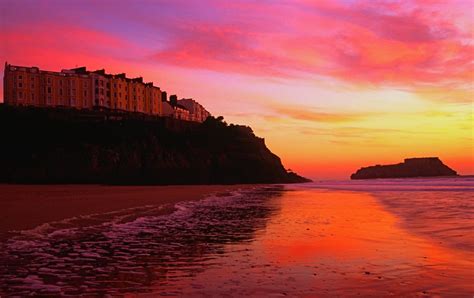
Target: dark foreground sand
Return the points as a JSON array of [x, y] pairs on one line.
[[28, 206]]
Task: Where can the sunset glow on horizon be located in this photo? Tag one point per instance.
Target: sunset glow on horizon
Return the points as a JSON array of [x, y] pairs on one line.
[[331, 85]]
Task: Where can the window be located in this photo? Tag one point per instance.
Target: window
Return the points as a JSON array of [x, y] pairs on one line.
[[85, 92], [32, 79], [20, 95], [20, 77], [49, 90], [102, 91], [96, 81], [85, 84], [49, 99], [32, 97], [49, 80], [115, 85], [60, 91], [20, 85], [32, 86], [60, 82]]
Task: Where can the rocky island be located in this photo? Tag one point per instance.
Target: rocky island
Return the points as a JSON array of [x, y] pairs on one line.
[[54, 145], [411, 167]]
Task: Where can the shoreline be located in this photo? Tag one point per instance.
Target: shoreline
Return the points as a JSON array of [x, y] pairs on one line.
[[24, 207]]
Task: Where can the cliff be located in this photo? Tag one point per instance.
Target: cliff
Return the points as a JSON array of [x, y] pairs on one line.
[[41, 145], [411, 167]]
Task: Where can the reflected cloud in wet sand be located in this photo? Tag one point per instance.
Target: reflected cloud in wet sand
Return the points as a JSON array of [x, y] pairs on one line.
[[272, 241], [335, 243]]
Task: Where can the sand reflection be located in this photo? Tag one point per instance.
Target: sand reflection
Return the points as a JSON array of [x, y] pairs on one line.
[[266, 242], [129, 256], [329, 243]]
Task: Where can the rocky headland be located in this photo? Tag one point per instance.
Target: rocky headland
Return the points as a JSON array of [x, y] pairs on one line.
[[411, 167], [41, 145]]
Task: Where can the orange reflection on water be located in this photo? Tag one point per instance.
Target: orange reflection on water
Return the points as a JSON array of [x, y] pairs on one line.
[[350, 233], [328, 243]]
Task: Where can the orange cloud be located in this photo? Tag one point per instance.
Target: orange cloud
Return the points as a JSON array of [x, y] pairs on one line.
[[308, 114]]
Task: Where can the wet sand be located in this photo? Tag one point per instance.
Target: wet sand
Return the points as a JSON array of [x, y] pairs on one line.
[[28, 206], [328, 243], [260, 241]]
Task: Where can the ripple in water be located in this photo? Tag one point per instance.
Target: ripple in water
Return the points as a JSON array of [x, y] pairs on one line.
[[132, 250]]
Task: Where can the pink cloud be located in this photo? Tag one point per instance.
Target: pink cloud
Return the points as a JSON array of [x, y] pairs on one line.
[[407, 44], [411, 45]]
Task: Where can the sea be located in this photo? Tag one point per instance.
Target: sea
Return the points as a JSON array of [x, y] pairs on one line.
[[376, 238]]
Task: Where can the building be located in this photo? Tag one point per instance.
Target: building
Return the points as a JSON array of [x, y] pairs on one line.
[[80, 89], [181, 113], [175, 111], [196, 111], [168, 110]]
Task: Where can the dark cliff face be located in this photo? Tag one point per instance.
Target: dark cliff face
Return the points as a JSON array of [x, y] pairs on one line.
[[51, 146], [411, 167]]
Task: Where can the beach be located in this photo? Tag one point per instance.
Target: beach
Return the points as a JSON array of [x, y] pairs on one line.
[[28, 206], [318, 239]]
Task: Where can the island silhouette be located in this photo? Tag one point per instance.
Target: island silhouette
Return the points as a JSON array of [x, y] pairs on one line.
[[411, 167]]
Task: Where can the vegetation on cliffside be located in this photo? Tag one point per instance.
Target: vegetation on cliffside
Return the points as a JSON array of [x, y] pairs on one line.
[[42, 145]]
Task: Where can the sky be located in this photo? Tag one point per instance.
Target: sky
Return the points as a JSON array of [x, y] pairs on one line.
[[331, 85]]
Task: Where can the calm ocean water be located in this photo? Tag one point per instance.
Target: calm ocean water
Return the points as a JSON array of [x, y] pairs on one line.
[[439, 208], [349, 238]]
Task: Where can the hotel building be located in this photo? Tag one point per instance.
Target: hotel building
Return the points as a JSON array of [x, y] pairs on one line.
[[79, 88], [196, 111]]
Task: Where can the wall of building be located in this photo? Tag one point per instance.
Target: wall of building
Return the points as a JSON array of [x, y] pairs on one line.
[[196, 111], [82, 89]]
